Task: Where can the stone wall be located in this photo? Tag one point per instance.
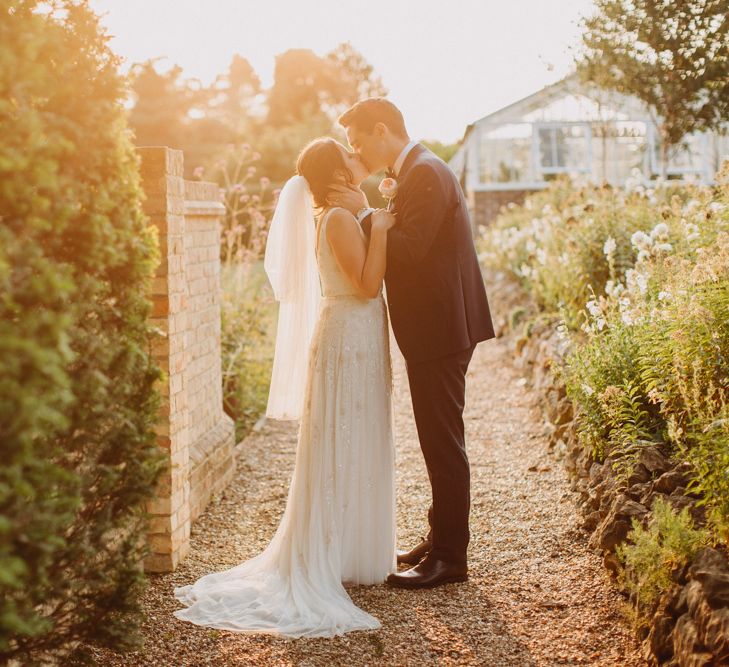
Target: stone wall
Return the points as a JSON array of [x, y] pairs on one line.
[[196, 434]]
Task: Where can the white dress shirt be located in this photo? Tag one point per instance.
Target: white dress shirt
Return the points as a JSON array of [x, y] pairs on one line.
[[396, 168], [401, 158]]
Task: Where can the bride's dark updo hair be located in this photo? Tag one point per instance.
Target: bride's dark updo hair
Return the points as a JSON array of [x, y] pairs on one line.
[[319, 163]]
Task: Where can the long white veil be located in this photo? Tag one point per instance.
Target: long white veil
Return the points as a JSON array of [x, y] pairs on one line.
[[290, 262]]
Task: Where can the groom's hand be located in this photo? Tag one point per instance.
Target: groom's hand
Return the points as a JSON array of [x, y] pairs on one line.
[[353, 199]]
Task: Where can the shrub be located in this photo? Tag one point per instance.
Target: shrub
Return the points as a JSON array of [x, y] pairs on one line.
[[641, 281], [569, 242], [248, 332], [77, 403], [655, 553], [247, 307]]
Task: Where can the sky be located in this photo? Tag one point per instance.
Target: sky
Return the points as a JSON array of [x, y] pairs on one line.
[[444, 64]]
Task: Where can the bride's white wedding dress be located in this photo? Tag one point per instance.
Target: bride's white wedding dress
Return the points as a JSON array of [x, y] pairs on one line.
[[339, 522]]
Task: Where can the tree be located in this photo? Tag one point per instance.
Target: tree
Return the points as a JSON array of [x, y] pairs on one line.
[[358, 76], [77, 399], [176, 112], [444, 151], [674, 56], [305, 84], [233, 94], [302, 81], [162, 104]]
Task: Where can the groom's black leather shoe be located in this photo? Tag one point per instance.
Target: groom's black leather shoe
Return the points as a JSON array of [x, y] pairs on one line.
[[415, 555], [428, 573]]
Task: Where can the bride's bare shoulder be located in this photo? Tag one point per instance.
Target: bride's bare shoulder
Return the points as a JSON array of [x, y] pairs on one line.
[[340, 221]]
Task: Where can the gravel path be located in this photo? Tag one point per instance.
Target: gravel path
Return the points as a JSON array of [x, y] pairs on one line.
[[536, 595]]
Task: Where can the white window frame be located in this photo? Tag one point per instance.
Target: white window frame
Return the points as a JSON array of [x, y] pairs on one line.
[[536, 154], [655, 160]]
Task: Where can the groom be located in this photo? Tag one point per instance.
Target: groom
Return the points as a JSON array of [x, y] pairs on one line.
[[439, 312]]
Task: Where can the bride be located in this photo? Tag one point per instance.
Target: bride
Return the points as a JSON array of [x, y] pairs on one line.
[[332, 371]]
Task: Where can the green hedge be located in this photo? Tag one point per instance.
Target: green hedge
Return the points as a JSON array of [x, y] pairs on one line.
[[76, 380]]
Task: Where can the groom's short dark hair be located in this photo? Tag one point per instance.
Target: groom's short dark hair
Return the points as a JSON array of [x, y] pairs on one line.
[[367, 113]]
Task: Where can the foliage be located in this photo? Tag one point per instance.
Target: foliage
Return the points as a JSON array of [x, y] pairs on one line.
[[248, 202], [641, 281], [684, 362], [170, 111], [444, 151], [248, 332], [303, 103], [671, 55], [656, 552], [77, 404], [555, 244], [247, 307]]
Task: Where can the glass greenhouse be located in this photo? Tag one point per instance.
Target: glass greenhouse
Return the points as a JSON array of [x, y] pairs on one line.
[[569, 128]]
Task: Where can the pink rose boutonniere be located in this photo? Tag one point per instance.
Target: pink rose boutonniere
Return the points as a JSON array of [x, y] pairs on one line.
[[388, 189]]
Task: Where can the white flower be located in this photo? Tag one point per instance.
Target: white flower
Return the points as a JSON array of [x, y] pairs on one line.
[[627, 318], [587, 389], [593, 307], [636, 279], [692, 231], [600, 323], [525, 270], [541, 256], [660, 231], [641, 240], [663, 295], [691, 204], [614, 289], [664, 247], [609, 246]]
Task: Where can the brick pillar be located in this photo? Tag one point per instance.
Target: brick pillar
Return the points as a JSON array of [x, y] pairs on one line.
[[169, 528], [212, 432]]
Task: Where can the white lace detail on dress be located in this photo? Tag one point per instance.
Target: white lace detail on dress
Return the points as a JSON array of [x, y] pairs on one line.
[[339, 522]]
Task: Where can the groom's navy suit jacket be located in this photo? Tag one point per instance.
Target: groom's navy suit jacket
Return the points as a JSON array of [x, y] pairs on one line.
[[435, 289]]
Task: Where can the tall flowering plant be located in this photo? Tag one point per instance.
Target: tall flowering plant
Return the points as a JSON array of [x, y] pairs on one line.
[[247, 306]]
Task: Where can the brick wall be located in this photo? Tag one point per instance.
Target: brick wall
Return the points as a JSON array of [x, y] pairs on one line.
[[485, 205], [196, 434]]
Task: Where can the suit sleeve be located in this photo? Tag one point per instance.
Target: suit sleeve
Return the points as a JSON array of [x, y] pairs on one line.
[[366, 223], [419, 217]]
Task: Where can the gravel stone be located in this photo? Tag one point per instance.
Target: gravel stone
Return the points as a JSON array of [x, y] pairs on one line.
[[536, 596]]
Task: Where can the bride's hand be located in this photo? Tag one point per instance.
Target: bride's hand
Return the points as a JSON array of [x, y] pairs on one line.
[[349, 197], [383, 219]]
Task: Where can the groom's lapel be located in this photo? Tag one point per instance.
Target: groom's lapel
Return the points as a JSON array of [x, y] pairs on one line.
[[410, 159], [415, 151]]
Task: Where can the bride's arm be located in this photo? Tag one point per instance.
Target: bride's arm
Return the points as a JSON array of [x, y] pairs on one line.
[[363, 265]]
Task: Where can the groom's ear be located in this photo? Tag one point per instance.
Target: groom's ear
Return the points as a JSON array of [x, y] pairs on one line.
[[380, 130]]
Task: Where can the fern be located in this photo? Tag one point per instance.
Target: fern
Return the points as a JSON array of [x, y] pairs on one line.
[[652, 554]]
